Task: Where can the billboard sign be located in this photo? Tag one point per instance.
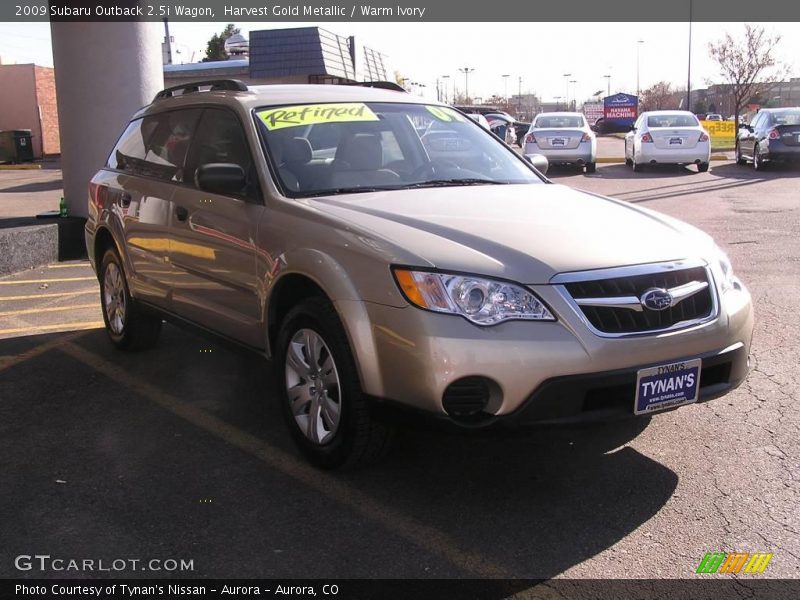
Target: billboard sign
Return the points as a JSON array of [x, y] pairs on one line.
[[622, 109]]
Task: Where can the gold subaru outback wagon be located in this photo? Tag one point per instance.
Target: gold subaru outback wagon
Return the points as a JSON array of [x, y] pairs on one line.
[[382, 250]]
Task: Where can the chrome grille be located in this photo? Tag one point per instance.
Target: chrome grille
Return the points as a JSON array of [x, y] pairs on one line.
[[625, 314]]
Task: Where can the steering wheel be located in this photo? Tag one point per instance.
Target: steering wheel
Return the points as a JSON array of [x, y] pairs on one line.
[[432, 167]]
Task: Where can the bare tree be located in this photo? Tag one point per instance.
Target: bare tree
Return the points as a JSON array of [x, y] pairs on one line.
[[659, 96], [748, 66]]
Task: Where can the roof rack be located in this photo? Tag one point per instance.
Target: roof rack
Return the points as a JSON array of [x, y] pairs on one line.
[[382, 85], [232, 85]]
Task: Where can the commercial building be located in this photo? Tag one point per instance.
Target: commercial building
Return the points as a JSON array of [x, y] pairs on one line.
[[28, 101], [290, 56]]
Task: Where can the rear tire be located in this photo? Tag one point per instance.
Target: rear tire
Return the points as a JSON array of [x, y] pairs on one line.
[[127, 326], [702, 167], [328, 416], [591, 167]]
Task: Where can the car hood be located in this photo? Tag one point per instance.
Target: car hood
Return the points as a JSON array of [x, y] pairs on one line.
[[526, 233]]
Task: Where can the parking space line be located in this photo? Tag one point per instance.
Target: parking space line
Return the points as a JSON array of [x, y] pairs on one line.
[[69, 265], [57, 280], [6, 362], [425, 537], [36, 311], [65, 326], [53, 295]]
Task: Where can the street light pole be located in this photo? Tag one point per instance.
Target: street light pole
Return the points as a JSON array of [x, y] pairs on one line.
[[638, 45], [466, 71], [519, 96], [505, 87], [445, 78], [574, 99], [566, 80], [608, 83], [689, 68]]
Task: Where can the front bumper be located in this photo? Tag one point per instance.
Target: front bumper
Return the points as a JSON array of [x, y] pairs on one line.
[[540, 370]]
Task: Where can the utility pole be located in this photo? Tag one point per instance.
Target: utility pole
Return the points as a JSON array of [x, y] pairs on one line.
[[638, 45], [689, 69], [167, 42], [466, 71]]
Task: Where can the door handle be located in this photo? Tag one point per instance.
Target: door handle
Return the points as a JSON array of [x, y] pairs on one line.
[[181, 213]]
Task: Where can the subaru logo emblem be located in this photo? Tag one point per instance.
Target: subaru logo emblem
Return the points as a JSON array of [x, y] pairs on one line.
[[656, 299]]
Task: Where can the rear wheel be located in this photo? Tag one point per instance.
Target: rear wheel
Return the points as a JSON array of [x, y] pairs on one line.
[[127, 326], [702, 167], [328, 415], [591, 167]]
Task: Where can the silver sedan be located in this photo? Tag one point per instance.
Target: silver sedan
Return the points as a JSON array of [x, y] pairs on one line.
[[564, 138], [672, 137]]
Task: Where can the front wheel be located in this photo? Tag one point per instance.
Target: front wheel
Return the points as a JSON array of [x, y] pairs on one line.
[[758, 162], [740, 160], [326, 412], [127, 326], [702, 167]]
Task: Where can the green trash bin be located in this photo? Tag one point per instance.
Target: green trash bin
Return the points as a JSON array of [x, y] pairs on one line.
[[16, 146]]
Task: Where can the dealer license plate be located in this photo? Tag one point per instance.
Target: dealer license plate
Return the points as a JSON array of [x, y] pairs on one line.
[[667, 386], [557, 142], [675, 141]]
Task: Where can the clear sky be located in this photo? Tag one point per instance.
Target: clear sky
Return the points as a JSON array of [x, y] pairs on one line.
[[540, 53]]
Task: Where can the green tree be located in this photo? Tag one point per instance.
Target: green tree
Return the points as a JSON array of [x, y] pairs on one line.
[[215, 49]]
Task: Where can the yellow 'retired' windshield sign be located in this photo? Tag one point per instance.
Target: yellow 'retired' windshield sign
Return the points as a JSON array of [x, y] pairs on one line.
[[310, 114]]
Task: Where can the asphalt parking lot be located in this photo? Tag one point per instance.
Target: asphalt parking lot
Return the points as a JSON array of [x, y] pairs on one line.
[[179, 452]]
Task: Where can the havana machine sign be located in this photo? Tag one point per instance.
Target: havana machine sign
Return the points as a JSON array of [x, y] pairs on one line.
[[621, 108]]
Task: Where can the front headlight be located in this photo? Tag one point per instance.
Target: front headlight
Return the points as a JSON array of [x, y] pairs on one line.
[[727, 280], [480, 301]]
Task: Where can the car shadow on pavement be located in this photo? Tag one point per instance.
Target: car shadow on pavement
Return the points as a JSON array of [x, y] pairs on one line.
[[623, 171], [144, 478], [731, 170], [41, 186]]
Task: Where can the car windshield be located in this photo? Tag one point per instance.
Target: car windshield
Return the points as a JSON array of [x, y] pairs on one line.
[[348, 147], [788, 117], [558, 122], [672, 121]]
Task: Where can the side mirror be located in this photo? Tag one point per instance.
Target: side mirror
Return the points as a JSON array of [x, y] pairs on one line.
[[539, 162], [227, 179]]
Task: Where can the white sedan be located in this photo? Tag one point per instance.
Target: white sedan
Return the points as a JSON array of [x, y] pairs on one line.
[[564, 138], [672, 137]]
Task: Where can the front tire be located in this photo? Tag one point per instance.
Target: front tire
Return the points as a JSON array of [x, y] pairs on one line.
[[758, 162], [327, 414], [740, 160], [127, 326], [702, 167]]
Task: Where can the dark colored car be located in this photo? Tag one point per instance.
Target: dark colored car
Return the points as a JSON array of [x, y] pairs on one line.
[[772, 136]]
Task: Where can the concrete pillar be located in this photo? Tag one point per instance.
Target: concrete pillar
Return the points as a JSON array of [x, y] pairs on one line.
[[104, 73]]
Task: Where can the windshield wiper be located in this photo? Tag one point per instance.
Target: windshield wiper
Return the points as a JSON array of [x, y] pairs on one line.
[[455, 181], [345, 190]]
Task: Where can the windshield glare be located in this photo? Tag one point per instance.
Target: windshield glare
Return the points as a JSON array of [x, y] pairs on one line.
[[353, 146], [672, 121]]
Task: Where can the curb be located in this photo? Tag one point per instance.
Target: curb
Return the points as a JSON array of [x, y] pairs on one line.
[[620, 159], [29, 242], [21, 167]]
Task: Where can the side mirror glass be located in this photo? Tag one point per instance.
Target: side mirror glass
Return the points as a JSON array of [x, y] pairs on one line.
[[227, 179]]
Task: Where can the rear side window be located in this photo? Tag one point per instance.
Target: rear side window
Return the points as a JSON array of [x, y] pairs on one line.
[[156, 145]]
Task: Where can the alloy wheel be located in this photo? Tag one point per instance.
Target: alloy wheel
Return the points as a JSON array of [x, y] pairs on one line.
[[114, 298], [313, 387]]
